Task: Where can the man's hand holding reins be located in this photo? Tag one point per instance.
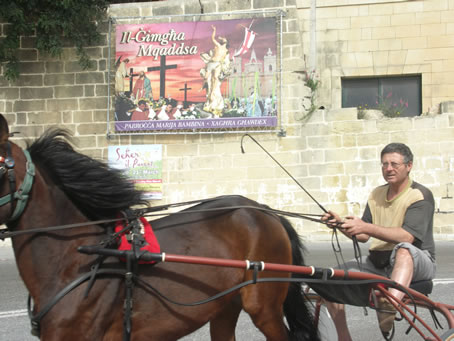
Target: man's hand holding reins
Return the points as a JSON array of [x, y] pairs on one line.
[[350, 226]]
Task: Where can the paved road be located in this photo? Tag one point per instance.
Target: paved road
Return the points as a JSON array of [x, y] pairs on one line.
[[14, 324]]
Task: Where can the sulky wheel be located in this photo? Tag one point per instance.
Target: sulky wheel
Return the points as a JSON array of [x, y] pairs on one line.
[[448, 336]]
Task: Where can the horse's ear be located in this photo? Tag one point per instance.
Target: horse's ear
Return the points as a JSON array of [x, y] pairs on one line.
[[4, 130]]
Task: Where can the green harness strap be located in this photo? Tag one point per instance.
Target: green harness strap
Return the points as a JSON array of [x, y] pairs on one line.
[[21, 195]]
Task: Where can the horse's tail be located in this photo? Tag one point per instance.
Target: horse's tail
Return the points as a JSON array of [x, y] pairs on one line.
[[297, 314]]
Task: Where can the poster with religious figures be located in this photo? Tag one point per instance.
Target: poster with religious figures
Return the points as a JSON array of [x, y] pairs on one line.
[[142, 164], [196, 75]]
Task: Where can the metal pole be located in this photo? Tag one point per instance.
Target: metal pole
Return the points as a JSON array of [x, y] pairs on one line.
[[313, 46], [108, 76]]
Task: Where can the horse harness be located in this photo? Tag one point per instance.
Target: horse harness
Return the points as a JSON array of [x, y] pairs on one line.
[[106, 247], [21, 195]]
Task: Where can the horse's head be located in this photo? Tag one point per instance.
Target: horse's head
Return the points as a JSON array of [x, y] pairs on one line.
[[16, 176]]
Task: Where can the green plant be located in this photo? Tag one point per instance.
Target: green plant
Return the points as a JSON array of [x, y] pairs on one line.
[[53, 24], [362, 111], [390, 107], [312, 82]]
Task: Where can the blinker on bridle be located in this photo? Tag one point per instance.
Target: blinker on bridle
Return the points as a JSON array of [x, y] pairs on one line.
[[21, 195]]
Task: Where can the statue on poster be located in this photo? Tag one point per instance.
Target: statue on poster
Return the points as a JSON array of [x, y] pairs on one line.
[[217, 69]]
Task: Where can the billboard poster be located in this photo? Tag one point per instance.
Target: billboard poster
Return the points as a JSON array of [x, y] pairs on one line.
[[142, 164], [196, 75]]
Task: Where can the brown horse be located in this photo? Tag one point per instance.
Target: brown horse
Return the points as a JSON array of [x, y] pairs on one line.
[[69, 187]]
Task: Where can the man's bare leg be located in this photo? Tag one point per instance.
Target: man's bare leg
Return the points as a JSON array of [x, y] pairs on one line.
[[402, 274], [402, 271]]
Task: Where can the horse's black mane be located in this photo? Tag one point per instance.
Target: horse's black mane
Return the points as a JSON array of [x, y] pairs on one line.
[[97, 190]]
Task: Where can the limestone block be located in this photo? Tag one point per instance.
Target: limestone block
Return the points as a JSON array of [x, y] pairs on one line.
[[68, 91], [193, 7], [341, 127], [432, 164], [380, 58], [124, 10], [348, 60], [366, 33], [296, 143], [30, 131], [93, 103], [62, 104], [268, 4], [364, 59], [91, 128], [35, 93], [362, 167], [335, 181], [433, 29], [24, 80], [59, 79], [315, 129], [291, 38], [394, 124], [54, 66], [447, 107], [383, 32], [84, 116], [363, 45], [11, 93], [291, 25], [413, 42], [30, 105], [349, 140], [440, 5], [27, 54], [344, 114], [328, 168], [31, 67], [372, 139], [370, 21], [390, 44], [341, 154], [451, 119], [90, 78], [74, 66], [89, 90], [47, 118], [95, 153], [372, 114], [227, 6], [443, 219], [397, 19], [322, 142], [369, 153]]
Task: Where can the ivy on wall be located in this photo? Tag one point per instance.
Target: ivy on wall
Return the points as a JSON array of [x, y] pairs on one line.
[[54, 24]]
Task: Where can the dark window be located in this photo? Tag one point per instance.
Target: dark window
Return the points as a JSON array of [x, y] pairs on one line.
[[395, 96]]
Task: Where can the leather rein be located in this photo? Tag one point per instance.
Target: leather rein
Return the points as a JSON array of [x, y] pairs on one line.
[[21, 196]]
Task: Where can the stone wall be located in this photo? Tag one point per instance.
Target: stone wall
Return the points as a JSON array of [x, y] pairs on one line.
[[392, 37], [331, 153]]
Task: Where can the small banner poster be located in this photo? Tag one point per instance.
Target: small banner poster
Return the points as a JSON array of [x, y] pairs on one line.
[[142, 164], [196, 75]]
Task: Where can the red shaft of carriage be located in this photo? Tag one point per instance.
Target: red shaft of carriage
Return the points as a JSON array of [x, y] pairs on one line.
[[309, 271]]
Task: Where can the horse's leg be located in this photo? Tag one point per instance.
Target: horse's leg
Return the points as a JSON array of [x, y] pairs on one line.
[[264, 303], [222, 327]]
